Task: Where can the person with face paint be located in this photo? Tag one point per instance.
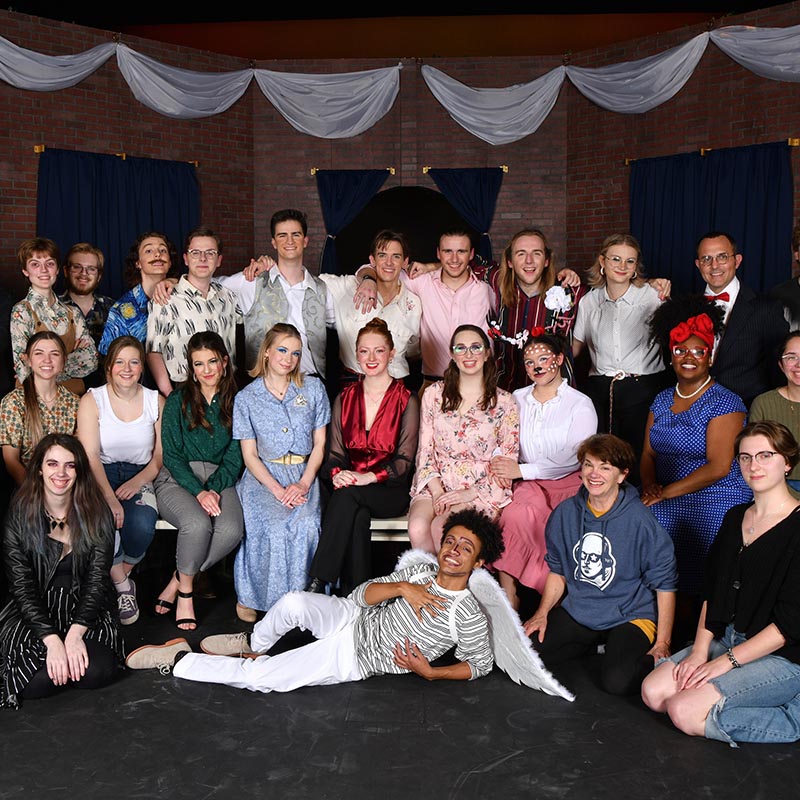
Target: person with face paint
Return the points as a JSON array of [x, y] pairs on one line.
[[689, 475], [554, 420]]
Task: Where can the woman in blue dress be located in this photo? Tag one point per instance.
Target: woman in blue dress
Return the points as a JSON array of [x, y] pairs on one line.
[[689, 475], [280, 418]]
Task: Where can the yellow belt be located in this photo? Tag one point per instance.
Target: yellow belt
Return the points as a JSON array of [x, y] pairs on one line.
[[289, 458]]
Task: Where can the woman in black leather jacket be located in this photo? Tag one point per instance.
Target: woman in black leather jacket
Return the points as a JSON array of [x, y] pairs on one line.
[[60, 625]]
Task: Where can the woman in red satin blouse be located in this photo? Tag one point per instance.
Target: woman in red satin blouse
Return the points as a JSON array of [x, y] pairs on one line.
[[373, 441]]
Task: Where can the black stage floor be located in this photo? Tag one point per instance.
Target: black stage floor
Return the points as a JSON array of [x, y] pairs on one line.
[[153, 736]]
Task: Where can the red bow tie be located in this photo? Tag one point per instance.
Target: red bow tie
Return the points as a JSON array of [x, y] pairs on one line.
[[724, 296]]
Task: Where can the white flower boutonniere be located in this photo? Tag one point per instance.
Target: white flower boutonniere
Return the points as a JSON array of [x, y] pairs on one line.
[[557, 299]]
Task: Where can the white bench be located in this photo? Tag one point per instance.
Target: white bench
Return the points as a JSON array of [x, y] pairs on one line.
[[394, 529]]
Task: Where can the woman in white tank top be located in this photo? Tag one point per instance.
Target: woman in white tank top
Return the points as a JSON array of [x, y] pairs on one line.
[[119, 424]]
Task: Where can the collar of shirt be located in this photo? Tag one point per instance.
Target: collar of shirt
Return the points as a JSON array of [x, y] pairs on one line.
[[733, 292], [185, 286], [39, 301], [436, 276], [307, 282], [628, 297], [531, 400]]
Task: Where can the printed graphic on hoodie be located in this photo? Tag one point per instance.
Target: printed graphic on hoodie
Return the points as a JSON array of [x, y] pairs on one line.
[[594, 561]]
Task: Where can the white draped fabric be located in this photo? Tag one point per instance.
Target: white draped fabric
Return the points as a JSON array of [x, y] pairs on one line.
[[180, 93], [497, 116], [638, 86], [331, 106], [769, 52], [343, 105], [26, 69]]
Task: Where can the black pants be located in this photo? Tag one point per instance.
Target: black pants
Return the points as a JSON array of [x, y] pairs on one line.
[[345, 540], [625, 663], [632, 400], [103, 668]]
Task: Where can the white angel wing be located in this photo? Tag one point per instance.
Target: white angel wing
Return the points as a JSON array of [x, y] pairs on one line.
[[513, 651]]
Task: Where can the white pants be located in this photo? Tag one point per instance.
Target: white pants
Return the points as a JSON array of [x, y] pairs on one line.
[[332, 659]]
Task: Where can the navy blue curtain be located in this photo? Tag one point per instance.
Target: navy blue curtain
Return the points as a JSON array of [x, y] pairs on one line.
[[108, 201], [744, 191], [342, 194], [473, 193]]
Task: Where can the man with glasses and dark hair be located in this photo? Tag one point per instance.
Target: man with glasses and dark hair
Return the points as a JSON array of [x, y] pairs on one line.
[[744, 359], [198, 303]]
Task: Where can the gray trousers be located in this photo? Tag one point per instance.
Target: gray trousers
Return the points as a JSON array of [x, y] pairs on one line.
[[202, 540]]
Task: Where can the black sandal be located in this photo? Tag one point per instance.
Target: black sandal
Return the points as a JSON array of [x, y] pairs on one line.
[[186, 620], [167, 605]]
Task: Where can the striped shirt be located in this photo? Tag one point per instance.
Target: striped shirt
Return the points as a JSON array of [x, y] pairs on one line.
[[380, 627]]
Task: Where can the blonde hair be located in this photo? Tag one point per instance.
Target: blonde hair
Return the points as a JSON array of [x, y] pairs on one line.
[[596, 277], [276, 331], [507, 280]]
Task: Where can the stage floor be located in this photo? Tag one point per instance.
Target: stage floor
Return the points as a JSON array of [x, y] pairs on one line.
[[154, 736]]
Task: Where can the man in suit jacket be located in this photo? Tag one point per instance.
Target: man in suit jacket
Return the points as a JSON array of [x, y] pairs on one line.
[[745, 358]]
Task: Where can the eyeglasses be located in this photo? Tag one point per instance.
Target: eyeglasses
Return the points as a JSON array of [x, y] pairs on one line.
[[720, 258], [83, 268], [695, 352], [206, 254], [615, 261], [790, 358], [764, 457], [460, 349]]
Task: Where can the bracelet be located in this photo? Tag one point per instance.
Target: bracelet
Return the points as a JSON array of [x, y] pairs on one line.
[[732, 659], [369, 278]]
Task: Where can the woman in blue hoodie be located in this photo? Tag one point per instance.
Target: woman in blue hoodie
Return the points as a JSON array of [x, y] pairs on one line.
[[612, 574]]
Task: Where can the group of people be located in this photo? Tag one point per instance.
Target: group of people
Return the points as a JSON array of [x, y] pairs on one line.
[[620, 500]]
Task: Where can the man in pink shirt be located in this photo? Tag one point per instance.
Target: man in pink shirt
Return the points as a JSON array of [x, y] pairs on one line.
[[451, 296]]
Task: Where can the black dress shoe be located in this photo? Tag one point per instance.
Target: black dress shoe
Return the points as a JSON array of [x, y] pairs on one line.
[[316, 586]]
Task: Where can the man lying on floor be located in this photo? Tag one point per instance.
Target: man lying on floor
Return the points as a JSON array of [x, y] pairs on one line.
[[395, 624]]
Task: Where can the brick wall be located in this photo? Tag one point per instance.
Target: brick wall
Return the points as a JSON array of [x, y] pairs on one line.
[[101, 115], [569, 177]]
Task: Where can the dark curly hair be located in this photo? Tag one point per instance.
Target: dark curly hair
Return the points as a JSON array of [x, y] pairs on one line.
[[484, 527], [678, 309], [132, 274]]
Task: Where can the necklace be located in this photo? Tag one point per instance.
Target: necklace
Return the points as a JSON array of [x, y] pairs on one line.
[[56, 522], [696, 391], [752, 529], [279, 393]]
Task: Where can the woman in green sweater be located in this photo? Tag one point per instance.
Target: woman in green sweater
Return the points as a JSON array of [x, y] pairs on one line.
[[783, 405], [195, 489]]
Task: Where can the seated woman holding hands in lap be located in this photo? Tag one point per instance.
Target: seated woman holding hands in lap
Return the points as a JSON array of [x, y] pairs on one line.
[[281, 419], [554, 419], [59, 627], [38, 407], [373, 440], [465, 422], [195, 489], [612, 574], [119, 424], [740, 680]]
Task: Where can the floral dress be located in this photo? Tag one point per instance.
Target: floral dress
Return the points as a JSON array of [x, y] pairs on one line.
[[456, 447]]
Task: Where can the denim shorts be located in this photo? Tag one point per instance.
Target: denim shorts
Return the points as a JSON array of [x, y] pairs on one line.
[[760, 700]]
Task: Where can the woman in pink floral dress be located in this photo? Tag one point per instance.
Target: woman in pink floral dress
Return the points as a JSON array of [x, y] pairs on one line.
[[465, 421]]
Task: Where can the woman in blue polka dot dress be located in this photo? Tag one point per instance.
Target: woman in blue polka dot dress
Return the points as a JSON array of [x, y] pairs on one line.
[[689, 476]]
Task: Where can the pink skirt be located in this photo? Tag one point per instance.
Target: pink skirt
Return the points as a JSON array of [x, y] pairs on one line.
[[523, 523]]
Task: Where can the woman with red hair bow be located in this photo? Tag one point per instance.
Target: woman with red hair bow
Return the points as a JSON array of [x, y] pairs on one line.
[[689, 476]]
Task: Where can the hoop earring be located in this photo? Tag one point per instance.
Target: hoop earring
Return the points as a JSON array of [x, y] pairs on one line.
[[224, 370], [602, 271], [194, 377]]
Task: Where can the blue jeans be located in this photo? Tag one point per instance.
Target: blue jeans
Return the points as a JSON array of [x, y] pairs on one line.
[[760, 701], [140, 514]]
